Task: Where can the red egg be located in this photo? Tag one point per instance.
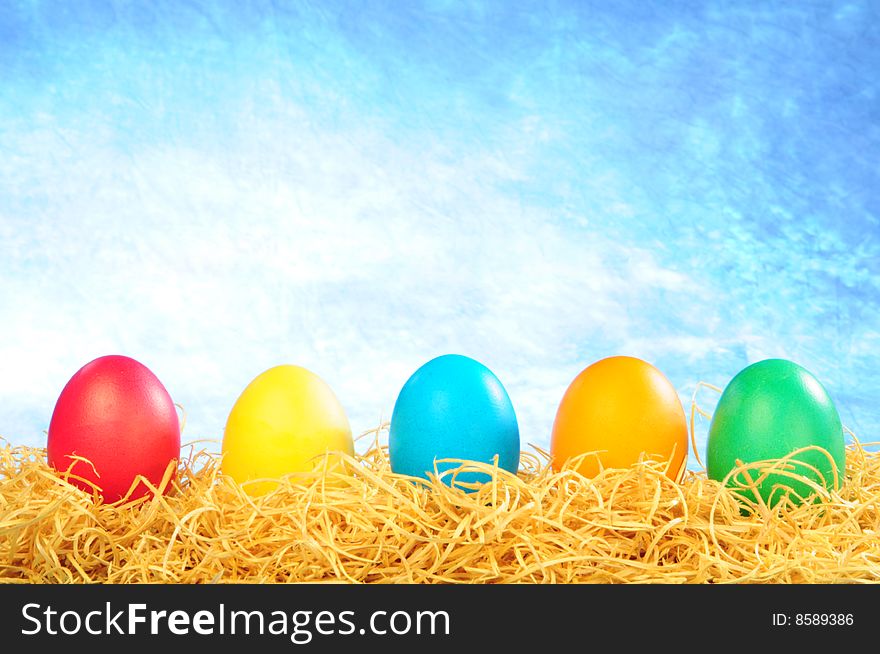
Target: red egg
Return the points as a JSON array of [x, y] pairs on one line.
[[118, 415]]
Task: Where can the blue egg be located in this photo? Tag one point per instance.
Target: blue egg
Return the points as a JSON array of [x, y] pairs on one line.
[[453, 408]]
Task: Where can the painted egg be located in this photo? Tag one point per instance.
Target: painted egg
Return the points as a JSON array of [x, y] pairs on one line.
[[769, 410], [286, 421], [618, 410], [453, 408], [118, 415]]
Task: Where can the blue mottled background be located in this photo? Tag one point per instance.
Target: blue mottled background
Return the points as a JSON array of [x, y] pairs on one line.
[[218, 187]]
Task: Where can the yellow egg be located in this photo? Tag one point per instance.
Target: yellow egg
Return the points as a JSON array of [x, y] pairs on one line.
[[286, 421]]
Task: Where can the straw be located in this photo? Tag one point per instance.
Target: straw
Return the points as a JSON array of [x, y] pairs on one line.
[[368, 525]]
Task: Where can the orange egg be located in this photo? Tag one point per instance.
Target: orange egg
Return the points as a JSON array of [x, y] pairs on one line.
[[620, 408]]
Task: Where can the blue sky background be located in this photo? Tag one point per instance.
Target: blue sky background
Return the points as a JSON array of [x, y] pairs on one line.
[[214, 188]]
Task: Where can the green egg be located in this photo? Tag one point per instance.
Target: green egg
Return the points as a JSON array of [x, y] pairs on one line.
[[769, 410]]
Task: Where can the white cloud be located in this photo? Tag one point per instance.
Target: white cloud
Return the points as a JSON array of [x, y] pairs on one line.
[[210, 269]]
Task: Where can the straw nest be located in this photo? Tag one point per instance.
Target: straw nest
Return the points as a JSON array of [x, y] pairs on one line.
[[370, 525]]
